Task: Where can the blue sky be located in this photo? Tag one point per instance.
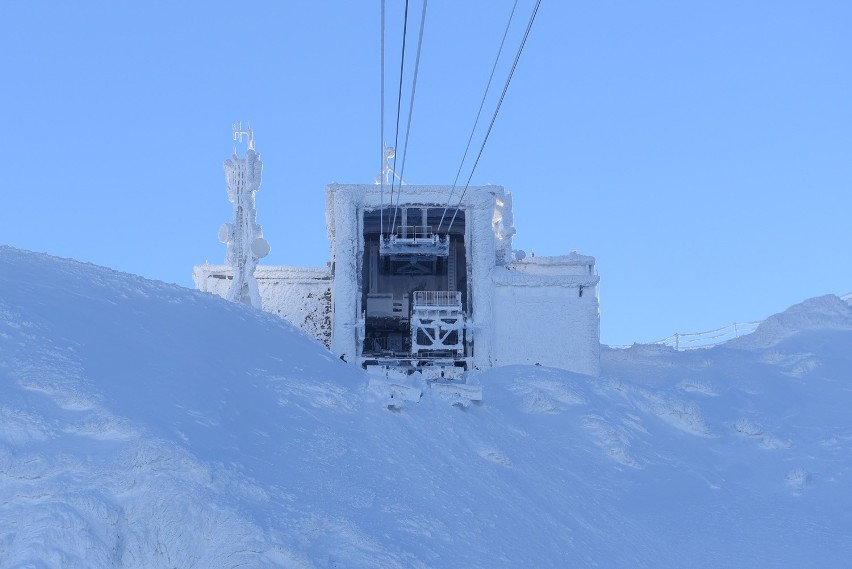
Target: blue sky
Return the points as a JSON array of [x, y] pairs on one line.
[[699, 150]]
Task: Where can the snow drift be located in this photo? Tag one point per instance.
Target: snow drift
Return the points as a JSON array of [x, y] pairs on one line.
[[146, 425]]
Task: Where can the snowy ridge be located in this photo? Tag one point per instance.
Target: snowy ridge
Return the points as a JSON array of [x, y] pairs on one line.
[[706, 339], [145, 425], [773, 331], [824, 312]]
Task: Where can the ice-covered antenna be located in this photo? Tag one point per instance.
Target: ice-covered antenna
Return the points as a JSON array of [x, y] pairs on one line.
[[239, 133], [388, 172], [244, 237]]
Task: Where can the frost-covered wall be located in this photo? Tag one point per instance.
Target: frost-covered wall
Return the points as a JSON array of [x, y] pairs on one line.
[[488, 237], [302, 296], [546, 312]]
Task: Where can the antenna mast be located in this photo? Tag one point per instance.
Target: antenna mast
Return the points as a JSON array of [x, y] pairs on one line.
[[244, 237]]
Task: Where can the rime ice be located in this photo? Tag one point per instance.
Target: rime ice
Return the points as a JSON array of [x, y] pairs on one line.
[[244, 237]]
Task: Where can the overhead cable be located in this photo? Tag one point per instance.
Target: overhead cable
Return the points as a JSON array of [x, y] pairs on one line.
[[399, 96], [476, 122], [497, 110], [410, 110], [382, 123]]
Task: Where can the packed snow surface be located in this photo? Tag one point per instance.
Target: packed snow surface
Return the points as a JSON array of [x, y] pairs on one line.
[[144, 425]]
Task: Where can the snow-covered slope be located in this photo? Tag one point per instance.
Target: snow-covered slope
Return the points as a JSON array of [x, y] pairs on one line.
[[145, 425]]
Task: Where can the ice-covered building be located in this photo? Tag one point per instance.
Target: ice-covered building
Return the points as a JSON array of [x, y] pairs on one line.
[[418, 284]]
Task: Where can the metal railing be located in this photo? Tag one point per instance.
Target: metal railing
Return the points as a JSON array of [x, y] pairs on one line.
[[710, 338], [414, 232], [437, 298], [697, 340]]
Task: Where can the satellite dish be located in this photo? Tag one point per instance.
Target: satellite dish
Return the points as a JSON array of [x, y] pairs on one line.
[[260, 248], [520, 254], [225, 232]]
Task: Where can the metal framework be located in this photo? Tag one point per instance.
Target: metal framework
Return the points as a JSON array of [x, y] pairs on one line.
[[414, 240], [244, 237], [437, 323]]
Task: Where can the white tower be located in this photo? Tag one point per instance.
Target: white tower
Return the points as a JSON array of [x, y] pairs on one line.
[[244, 237]]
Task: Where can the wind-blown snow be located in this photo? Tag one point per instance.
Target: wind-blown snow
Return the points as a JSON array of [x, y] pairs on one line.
[[145, 425]]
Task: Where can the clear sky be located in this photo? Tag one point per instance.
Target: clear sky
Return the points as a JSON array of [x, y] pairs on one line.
[[701, 151]]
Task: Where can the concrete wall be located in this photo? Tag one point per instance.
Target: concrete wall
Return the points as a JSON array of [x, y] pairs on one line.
[[539, 316]]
